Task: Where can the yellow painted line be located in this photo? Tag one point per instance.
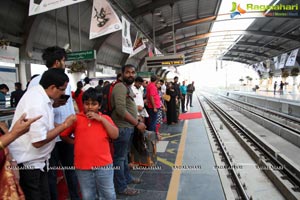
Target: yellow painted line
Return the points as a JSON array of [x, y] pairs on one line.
[[175, 179], [171, 151], [165, 161], [174, 141], [172, 136]]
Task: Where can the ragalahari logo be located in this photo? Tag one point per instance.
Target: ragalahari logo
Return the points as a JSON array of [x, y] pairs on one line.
[[236, 10]]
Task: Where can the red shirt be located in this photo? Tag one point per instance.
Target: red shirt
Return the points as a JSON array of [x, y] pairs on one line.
[[91, 145], [78, 100], [152, 91]]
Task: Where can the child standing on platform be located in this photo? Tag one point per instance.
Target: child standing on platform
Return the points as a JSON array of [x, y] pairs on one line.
[[93, 159]]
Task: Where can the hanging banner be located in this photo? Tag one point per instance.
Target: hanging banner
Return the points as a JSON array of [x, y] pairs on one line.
[[138, 44], [261, 67], [40, 6], [126, 39], [292, 58], [150, 52], [282, 60], [157, 52], [104, 20], [9, 54], [276, 64]]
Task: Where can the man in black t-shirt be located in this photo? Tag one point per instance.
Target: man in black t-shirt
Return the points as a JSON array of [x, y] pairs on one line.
[[190, 91]]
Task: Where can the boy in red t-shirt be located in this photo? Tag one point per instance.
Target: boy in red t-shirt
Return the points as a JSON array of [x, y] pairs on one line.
[[92, 155]]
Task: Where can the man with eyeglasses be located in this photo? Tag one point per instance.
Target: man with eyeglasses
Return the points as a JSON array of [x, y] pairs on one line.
[[32, 150], [63, 153]]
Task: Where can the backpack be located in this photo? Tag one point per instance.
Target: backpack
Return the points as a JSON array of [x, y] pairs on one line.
[[106, 107]]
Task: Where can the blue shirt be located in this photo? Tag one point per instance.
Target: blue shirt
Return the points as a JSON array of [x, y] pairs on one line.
[[183, 89], [2, 99]]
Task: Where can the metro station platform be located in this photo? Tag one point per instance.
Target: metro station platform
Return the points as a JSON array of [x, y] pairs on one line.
[[185, 168], [287, 103], [285, 96]]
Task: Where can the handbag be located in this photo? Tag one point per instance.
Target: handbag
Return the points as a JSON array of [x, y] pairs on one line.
[[10, 188], [166, 97]]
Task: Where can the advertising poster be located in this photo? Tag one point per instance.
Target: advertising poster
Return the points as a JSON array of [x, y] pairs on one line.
[[40, 6], [126, 38], [104, 20]]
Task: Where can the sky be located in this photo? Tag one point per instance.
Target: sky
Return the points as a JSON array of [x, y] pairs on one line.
[[204, 74]]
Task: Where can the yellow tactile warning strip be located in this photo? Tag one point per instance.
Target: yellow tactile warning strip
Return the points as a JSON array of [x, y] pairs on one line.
[[175, 179]]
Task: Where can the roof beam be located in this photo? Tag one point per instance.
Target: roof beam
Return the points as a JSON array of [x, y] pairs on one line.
[[188, 48], [234, 58], [148, 8], [185, 25], [194, 53], [223, 33], [249, 52], [240, 61]]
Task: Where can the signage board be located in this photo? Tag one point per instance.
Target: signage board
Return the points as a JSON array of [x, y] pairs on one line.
[[9, 54], [162, 61], [81, 55]]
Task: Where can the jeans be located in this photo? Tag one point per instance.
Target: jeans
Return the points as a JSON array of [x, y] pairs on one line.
[[121, 149], [189, 99], [183, 103], [34, 183], [63, 155], [152, 119], [97, 183]]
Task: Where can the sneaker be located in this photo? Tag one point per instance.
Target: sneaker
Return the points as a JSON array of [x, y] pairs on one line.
[[129, 192]]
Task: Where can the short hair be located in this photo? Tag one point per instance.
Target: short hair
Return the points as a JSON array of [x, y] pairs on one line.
[[139, 79], [53, 76], [127, 66], [100, 82], [153, 78], [91, 94], [52, 54], [176, 77], [18, 85], [162, 81], [4, 86], [86, 80]]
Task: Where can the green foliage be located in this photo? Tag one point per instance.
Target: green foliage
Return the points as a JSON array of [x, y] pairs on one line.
[[295, 71], [285, 73], [78, 66]]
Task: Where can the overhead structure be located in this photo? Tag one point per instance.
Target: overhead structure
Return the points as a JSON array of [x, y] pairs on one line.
[[165, 61], [197, 29]]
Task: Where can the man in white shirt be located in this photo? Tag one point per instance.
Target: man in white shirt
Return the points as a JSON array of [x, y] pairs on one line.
[[32, 150], [63, 153], [138, 91], [87, 84]]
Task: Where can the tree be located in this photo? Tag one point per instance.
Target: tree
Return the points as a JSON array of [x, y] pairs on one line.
[[295, 71], [285, 73], [241, 80]]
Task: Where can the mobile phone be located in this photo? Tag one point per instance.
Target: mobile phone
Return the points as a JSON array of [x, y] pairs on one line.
[[65, 97]]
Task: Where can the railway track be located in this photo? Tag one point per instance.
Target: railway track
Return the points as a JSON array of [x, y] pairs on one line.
[[281, 171]]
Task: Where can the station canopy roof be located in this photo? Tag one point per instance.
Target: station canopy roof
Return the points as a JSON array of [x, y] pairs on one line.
[[227, 30]]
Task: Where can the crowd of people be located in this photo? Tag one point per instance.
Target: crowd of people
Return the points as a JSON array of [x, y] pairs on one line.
[[90, 146]]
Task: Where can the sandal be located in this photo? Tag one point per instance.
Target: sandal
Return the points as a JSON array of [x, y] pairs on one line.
[[136, 181], [129, 192]]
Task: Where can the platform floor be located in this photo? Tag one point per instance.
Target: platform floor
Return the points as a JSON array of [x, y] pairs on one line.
[[185, 168], [187, 165], [277, 95]]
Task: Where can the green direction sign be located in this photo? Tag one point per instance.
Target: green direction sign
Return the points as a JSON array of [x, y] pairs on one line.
[[145, 74], [81, 55]]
